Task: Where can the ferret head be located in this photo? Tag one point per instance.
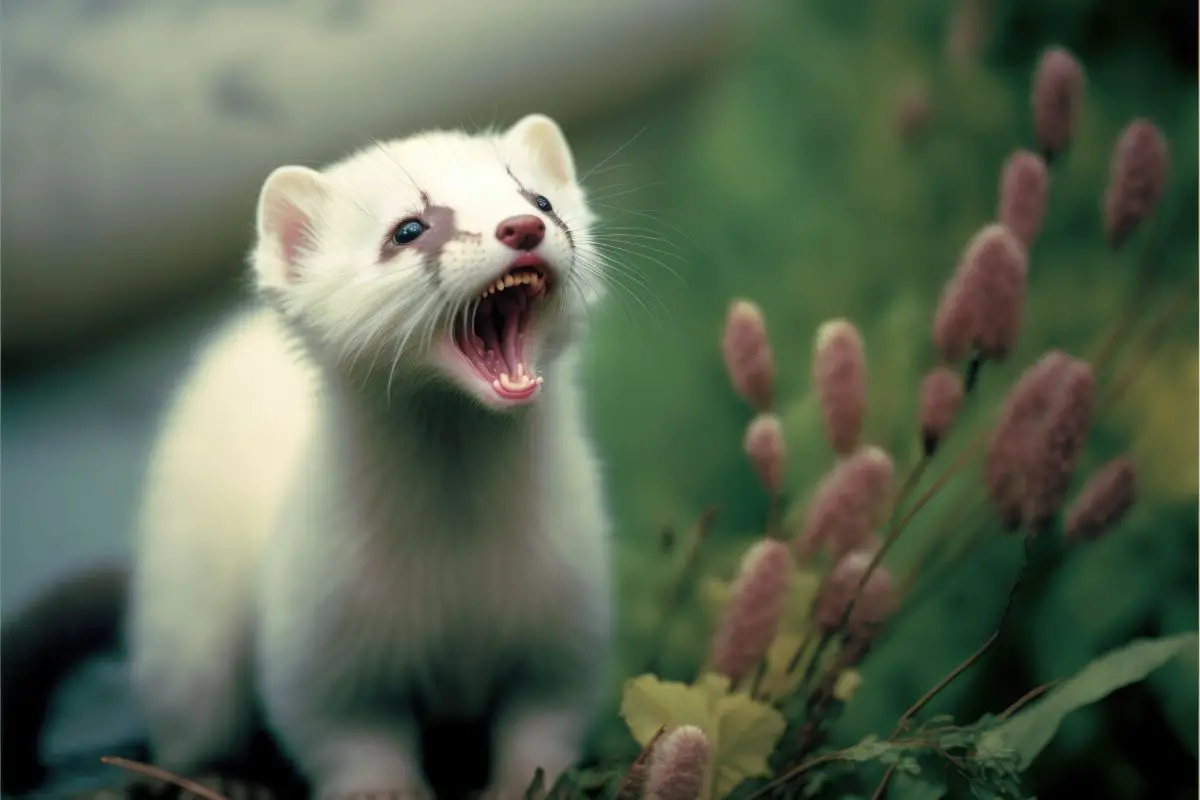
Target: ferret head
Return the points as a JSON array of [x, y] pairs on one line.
[[443, 256]]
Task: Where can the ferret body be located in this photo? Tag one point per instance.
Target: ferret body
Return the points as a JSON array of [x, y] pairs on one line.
[[374, 501]]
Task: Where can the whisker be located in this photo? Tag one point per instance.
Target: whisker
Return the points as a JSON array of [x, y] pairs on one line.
[[613, 154]]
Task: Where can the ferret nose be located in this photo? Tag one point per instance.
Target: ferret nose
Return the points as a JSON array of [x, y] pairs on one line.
[[521, 233]]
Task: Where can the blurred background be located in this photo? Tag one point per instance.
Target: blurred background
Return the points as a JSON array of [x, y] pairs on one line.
[[822, 158]]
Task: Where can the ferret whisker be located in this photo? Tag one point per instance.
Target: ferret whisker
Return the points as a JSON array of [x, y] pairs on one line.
[[643, 240], [614, 154], [625, 249], [650, 216], [615, 275], [407, 175], [626, 191]]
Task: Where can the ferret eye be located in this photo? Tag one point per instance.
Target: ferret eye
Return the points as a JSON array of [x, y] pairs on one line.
[[543, 204], [408, 231]]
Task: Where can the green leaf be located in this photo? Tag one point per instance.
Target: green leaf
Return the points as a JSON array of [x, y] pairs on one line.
[[908, 787], [1028, 732]]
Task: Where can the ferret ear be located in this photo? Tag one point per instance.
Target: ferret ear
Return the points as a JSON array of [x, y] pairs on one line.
[[544, 140], [290, 205]]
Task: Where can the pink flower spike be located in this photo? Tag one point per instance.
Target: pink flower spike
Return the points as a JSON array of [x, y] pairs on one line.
[[1020, 417], [1057, 100], [994, 270], [1054, 449], [1103, 501], [839, 372], [1137, 180], [1021, 207], [679, 765], [847, 505], [941, 396], [874, 603], [749, 360], [756, 606], [764, 445]]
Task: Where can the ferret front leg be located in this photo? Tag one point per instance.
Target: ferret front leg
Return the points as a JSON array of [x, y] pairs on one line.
[[529, 736], [365, 762]]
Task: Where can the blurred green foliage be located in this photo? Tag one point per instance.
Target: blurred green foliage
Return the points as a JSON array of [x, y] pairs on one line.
[[783, 178]]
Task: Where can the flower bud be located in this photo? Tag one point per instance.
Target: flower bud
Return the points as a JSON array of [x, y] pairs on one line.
[[749, 360], [679, 765], [839, 373], [941, 396], [1057, 99], [1022, 204], [755, 608], [847, 505], [1103, 501], [1137, 179]]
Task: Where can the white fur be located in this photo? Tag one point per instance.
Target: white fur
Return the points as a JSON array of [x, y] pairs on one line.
[[338, 517]]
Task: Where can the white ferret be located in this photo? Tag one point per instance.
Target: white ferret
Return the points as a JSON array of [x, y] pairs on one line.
[[374, 500]]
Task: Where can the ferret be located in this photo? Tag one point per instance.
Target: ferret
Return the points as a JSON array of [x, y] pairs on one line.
[[374, 501]]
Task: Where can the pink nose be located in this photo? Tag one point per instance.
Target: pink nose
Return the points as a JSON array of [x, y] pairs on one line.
[[521, 233]]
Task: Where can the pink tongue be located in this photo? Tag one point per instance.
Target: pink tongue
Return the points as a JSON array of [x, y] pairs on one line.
[[508, 315]]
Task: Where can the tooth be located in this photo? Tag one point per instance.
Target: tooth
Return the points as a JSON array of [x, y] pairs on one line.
[[496, 385]]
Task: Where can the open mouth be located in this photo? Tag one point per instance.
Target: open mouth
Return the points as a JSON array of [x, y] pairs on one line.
[[493, 339]]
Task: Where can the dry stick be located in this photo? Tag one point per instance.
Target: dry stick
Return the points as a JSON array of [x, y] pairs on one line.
[[775, 517], [1146, 278], [912, 597], [960, 514], [965, 665], [639, 763], [910, 482], [1026, 699], [882, 787], [816, 761], [679, 589], [894, 531], [1153, 337], [162, 775]]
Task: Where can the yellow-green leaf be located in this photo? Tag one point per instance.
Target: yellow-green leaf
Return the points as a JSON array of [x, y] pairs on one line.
[[715, 594], [648, 703], [742, 733], [776, 681], [846, 685], [746, 736]]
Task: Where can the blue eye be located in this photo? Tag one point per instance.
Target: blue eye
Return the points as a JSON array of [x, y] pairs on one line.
[[543, 204], [408, 231]]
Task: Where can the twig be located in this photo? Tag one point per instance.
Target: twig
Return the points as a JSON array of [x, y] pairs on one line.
[[1145, 282], [1153, 337], [882, 787], [795, 772], [678, 591], [967, 663], [910, 482], [162, 775], [816, 761], [639, 763], [775, 517], [1027, 698]]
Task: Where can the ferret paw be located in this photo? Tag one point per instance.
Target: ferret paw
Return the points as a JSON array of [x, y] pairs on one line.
[[372, 790], [374, 794]]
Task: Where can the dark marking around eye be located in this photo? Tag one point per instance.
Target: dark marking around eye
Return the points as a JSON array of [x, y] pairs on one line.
[[538, 200], [408, 231], [437, 228]]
